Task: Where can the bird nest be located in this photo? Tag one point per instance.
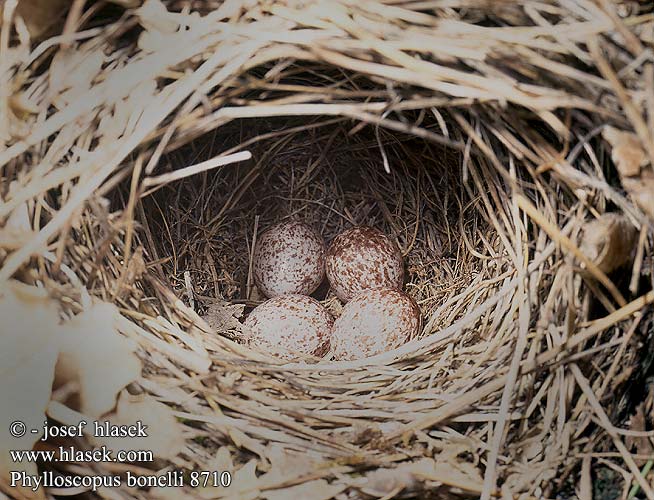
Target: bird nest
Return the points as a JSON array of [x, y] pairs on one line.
[[506, 147]]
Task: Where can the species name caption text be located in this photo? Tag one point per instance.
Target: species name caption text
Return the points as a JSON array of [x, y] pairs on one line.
[[71, 454]]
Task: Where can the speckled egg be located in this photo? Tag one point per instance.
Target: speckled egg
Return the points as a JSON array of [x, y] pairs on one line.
[[289, 258], [373, 322], [363, 258], [290, 325]]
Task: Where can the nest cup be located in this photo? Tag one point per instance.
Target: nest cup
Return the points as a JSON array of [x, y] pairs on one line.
[[485, 166], [322, 173]]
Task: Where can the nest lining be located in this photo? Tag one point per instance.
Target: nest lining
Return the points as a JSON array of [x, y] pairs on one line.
[[332, 180]]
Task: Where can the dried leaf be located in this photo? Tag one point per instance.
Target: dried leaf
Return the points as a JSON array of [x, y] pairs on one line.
[[72, 73], [164, 433], [642, 190], [21, 105], [91, 351], [244, 483], [383, 482], [223, 316], [627, 152], [609, 241], [631, 161], [222, 460], [646, 32], [457, 473], [286, 465], [460, 474], [29, 335], [533, 448], [114, 124], [154, 17], [17, 230], [43, 16]]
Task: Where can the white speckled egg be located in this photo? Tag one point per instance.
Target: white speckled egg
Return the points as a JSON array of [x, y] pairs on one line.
[[373, 322], [288, 325], [289, 258], [363, 258]]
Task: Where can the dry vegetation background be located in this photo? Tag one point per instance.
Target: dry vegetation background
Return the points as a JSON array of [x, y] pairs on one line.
[[507, 146]]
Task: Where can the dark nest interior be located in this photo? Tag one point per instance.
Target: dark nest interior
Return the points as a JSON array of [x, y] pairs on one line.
[[331, 175]]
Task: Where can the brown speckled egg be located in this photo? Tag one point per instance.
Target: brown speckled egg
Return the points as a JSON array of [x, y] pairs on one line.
[[363, 258], [289, 258], [288, 325], [373, 322]]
